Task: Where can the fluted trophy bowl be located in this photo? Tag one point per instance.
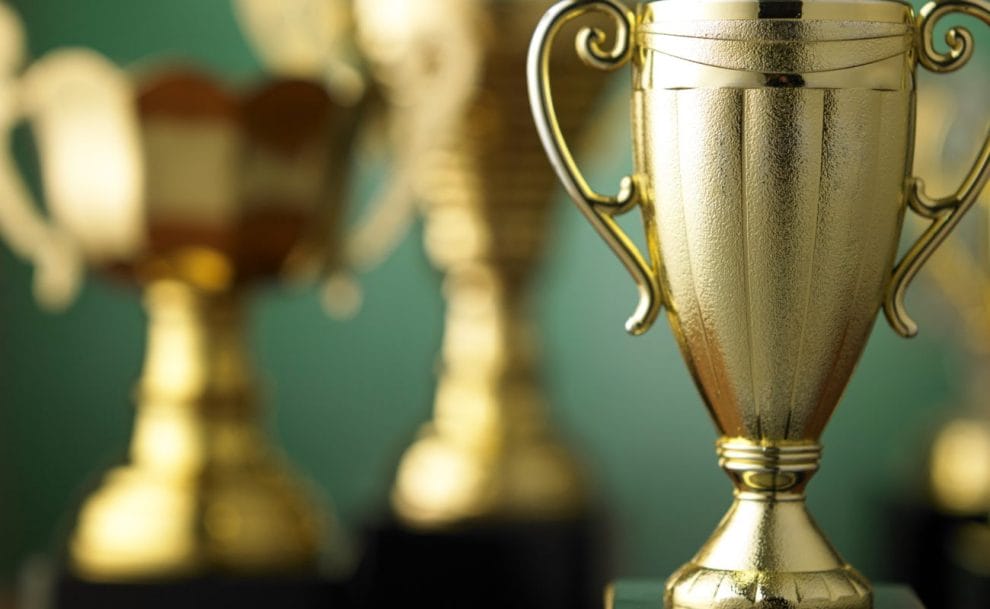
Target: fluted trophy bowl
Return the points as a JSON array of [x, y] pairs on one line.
[[196, 194], [773, 146], [778, 208]]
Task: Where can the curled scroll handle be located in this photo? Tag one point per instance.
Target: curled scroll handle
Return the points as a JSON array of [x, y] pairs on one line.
[[600, 210], [946, 212]]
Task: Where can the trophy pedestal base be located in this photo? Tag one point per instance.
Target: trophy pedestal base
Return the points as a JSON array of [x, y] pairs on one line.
[[202, 593], [648, 594], [548, 565]]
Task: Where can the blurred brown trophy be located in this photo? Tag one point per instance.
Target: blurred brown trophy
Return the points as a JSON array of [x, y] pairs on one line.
[[197, 194]]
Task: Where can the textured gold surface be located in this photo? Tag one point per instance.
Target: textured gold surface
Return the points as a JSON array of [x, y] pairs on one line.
[[484, 190], [195, 194], [772, 146]]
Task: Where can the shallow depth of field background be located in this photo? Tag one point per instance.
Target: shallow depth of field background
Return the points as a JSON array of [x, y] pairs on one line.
[[346, 397]]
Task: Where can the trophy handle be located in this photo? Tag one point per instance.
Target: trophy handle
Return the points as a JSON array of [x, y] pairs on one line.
[[946, 212], [443, 92], [600, 210], [58, 265]]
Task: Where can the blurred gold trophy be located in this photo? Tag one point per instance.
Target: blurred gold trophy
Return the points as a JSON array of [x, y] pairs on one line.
[[959, 475], [773, 145], [454, 72], [197, 194], [950, 517]]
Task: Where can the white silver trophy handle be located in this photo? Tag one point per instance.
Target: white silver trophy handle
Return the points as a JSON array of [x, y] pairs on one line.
[[58, 265]]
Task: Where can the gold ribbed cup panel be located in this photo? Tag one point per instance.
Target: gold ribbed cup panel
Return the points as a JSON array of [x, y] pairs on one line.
[[778, 212]]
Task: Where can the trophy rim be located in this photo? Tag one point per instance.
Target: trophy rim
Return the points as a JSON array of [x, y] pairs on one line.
[[881, 11]]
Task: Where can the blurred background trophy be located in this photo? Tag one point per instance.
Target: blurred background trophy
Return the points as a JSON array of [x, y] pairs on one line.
[[487, 501], [168, 180], [947, 556]]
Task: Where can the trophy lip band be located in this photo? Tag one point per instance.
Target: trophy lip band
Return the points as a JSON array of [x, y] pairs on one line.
[[807, 11]]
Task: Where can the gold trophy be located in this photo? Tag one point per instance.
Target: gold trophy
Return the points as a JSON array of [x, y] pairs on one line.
[[455, 74], [773, 145], [197, 194]]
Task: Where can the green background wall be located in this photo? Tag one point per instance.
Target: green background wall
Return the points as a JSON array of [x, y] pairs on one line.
[[345, 397]]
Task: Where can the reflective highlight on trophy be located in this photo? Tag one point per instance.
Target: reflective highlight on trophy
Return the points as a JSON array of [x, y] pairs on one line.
[[197, 194], [772, 145]]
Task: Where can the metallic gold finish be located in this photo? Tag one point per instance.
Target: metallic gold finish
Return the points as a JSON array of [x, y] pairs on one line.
[[597, 208], [772, 145], [202, 489], [454, 72], [197, 195], [944, 212]]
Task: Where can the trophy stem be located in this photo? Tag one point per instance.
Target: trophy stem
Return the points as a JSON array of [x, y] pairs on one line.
[[202, 491], [488, 453], [768, 551]]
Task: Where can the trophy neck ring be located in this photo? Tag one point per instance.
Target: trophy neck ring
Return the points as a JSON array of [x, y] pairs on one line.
[[769, 471]]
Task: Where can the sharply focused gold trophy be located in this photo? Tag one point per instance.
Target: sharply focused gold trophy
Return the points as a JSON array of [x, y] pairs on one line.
[[773, 145], [169, 181], [454, 71]]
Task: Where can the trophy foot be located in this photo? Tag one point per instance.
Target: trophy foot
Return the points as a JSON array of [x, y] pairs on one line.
[[444, 480], [203, 493], [696, 587], [143, 525], [768, 553]]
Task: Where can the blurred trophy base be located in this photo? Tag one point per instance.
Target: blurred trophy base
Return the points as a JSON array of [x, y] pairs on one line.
[[648, 594], [522, 565], [206, 592], [946, 558]]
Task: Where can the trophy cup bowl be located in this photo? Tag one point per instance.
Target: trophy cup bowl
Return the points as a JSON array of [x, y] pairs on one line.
[[197, 195], [772, 149]]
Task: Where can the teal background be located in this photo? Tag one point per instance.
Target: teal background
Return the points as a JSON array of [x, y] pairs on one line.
[[346, 397]]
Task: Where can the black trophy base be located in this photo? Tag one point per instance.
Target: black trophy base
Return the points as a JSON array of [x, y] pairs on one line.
[[648, 594], [202, 593], [551, 565], [943, 557]]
